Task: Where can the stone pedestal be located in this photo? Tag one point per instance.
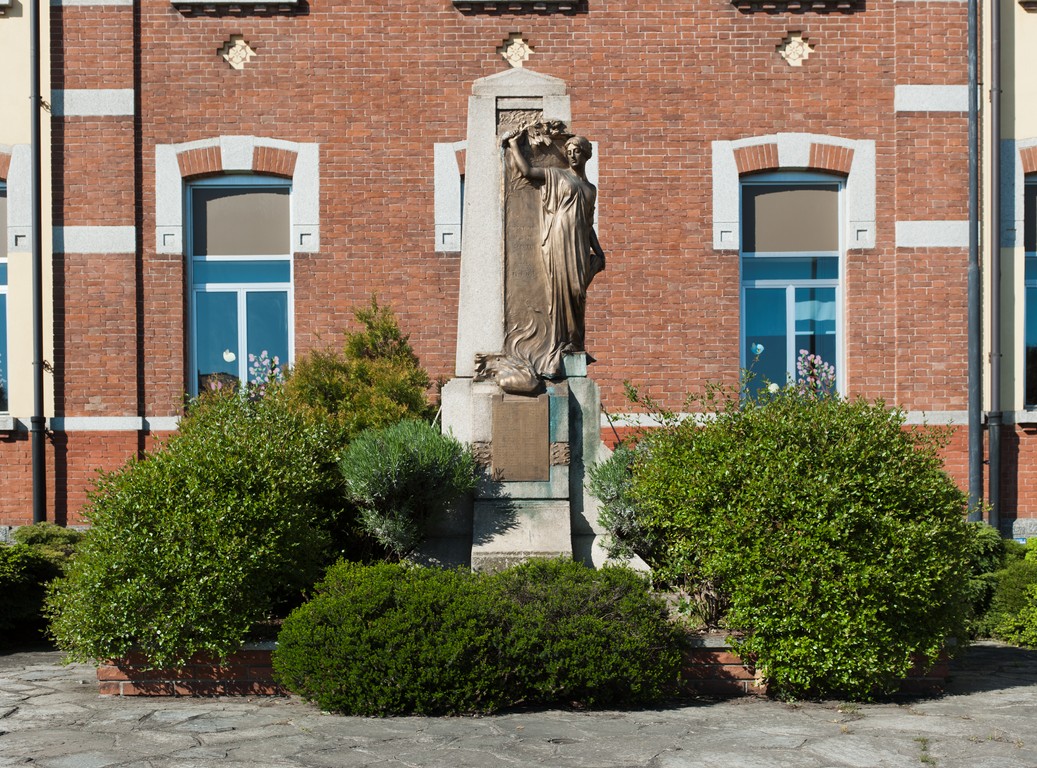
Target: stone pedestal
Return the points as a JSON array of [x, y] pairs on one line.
[[532, 449], [524, 507]]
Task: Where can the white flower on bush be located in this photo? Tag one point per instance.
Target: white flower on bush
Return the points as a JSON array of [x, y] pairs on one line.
[[773, 388]]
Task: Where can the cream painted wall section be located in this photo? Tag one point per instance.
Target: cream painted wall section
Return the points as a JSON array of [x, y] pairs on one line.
[[15, 130], [1018, 123]]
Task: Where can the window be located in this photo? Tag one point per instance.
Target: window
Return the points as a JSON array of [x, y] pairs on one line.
[[1030, 246], [240, 273], [790, 263], [4, 387]]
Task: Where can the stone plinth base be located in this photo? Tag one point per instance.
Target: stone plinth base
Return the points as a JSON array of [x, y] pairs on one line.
[[507, 532]]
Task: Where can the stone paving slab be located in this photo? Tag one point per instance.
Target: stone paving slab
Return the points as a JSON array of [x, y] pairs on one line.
[[52, 717]]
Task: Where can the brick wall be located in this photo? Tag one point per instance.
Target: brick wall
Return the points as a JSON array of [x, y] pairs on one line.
[[654, 83]]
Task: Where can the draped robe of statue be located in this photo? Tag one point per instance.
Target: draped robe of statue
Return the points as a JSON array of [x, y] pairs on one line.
[[567, 217], [551, 255]]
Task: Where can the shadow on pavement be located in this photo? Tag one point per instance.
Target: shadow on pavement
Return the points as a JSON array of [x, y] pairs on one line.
[[991, 666]]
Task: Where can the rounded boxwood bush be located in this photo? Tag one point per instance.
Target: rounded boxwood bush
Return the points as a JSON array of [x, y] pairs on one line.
[[823, 532], [393, 639], [195, 544], [574, 634], [398, 638]]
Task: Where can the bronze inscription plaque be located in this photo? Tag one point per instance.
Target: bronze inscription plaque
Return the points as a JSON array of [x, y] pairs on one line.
[[521, 440]]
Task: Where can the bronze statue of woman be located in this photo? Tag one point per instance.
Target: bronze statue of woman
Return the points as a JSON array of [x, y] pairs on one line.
[[569, 246]]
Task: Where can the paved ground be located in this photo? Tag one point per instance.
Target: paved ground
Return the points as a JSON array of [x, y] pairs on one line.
[[52, 717]]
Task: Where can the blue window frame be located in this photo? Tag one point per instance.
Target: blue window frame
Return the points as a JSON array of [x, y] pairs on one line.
[[240, 275], [1030, 269], [4, 380], [790, 274]]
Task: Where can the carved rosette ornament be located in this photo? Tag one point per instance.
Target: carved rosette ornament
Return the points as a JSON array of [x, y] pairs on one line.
[[515, 50], [795, 49], [236, 52]]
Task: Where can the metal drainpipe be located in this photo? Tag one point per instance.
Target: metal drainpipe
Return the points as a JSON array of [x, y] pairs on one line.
[[38, 420], [994, 418], [975, 285]]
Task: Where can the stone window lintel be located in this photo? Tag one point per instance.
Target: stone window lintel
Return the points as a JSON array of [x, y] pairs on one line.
[[801, 6], [220, 7], [523, 6]]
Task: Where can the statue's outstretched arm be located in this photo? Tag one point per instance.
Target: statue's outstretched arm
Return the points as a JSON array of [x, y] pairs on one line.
[[510, 141]]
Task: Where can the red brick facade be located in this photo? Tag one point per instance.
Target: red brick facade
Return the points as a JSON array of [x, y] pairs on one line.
[[376, 85]]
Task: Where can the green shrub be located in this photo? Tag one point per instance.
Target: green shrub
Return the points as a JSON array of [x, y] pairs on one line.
[[1015, 550], [54, 542], [1021, 628], [574, 634], [393, 639], [401, 476], [1010, 615], [39, 555], [611, 482], [192, 546], [399, 639], [374, 381], [24, 574], [824, 528], [988, 556]]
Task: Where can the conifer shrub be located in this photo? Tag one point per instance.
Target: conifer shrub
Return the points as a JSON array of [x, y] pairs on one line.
[[375, 380], [400, 639], [401, 476], [821, 532], [192, 546]]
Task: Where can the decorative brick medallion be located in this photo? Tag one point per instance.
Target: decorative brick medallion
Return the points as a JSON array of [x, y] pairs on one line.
[[795, 49], [515, 50], [236, 52]]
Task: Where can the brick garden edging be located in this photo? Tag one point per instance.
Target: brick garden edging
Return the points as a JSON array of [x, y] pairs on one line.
[[245, 673], [712, 668]]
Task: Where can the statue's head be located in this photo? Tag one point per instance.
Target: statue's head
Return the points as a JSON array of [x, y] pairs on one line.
[[584, 145]]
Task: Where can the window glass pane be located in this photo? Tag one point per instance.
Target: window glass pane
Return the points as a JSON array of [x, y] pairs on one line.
[[243, 271], [824, 268], [3, 353], [766, 336], [216, 339], [815, 323], [1031, 269], [1031, 346], [815, 311], [240, 221], [794, 217], [3, 273], [266, 327]]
